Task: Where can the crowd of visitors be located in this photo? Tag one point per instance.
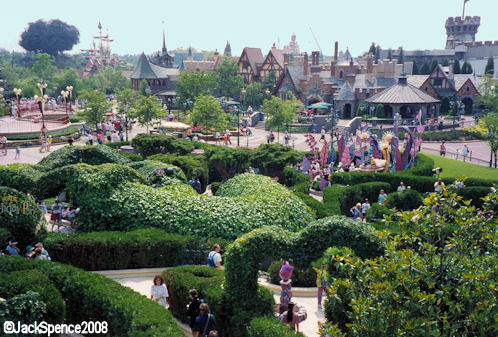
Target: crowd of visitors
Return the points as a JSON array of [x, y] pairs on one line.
[[38, 252]]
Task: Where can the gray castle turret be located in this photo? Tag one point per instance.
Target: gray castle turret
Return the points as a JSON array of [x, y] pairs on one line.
[[461, 30]]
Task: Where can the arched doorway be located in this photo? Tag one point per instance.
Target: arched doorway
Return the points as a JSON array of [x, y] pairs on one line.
[[346, 111], [468, 103], [405, 111], [388, 111]]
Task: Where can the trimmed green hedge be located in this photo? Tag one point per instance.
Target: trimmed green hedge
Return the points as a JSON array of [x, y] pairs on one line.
[[90, 296], [358, 193], [54, 135], [301, 277], [19, 217], [148, 170], [142, 248], [93, 155], [450, 135], [376, 212], [22, 177], [296, 181], [209, 284], [474, 193], [148, 145], [320, 209], [269, 326], [404, 201]]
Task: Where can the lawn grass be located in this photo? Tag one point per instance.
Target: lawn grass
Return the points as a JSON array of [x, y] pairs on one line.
[[457, 168]]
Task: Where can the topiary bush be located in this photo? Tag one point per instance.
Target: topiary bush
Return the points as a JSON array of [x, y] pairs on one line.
[[404, 201], [474, 193], [358, 193], [269, 326], [149, 168], [90, 296], [22, 177], [209, 284], [19, 217], [148, 145], [320, 209], [93, 155], [376, 212], [272, 159], [25, 308], [142, 248], [215, 186], [301, 277]]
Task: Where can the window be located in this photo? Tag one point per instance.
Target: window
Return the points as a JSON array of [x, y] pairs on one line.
[[341, 74], [438, 82], [467, 88], [426, 89]]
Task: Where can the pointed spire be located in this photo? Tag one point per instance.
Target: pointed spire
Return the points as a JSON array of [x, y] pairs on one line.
[[189, 50], [228, 50], [164, 42]]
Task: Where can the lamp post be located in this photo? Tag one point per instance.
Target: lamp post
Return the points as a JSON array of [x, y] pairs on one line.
[[64, 95], [42, 100], [70, 90], [18, 93], [125, 108]]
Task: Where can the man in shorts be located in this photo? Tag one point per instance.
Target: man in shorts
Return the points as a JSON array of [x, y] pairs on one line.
[[56, 216]]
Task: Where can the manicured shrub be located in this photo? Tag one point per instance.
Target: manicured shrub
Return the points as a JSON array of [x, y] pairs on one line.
[[132, 156], [90, 296], [423, 167], [358, 193], [149, 170], [269, 326], [209, 284], [474, 193], [250, 201], [272, 159], [215, 186], [452, 135], [331, 198], [19, 282], [114, 145], [25, 308], [93, 155], [376, 212], [22, 177], [148, 145], [19, 216], [319, 208], [404, 201], [301, 277], [194, 166], [142, 248]]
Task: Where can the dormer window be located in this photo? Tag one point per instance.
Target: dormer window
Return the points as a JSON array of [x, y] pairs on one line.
[[467, 88], [341, 74]]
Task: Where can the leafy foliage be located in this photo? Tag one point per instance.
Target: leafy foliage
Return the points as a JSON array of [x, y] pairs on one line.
[[52, 37], [228, 82], [146, 109], [22, 177], [301, 277], [268, 326], [208, 113], [254, 95], [96, 106], [404, 201], [191, 85], [25, 308], [280, 113]]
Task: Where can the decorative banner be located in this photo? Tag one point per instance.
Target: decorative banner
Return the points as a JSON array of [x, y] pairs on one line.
[[323, 183], [376, 147], [332, 155], [405, 157], [345, 159], [341, 145], [324, 153], [306, 164]]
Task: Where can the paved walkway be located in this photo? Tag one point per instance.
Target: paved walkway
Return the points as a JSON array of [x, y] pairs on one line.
[[141, 281]]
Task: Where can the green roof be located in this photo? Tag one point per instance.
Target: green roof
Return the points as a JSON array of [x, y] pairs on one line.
[[143, 69]]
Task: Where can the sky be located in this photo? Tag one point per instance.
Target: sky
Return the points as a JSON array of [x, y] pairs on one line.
[[136, 26]]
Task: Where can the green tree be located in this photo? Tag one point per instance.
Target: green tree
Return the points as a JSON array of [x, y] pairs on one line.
[[490, 66], [415, 70], [68, 78], [390, 54], [268, 82], [280, 113], [425, 69], [52, 37], [96, 107], [445, 105], [142, 90], [372, 48], [377, 54], [43, 66], [379, 111], [254, 95], [228, 83], [401, 56], [192, 85], [208, 113], [445, 63], [108, 80], [146, 109], [466, 68], [488, 90], [491, 123], [456, 67], [434, 64]]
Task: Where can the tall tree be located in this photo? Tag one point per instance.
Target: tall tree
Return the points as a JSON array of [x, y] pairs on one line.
[[456, 67], [445, 63], [488, 90], [466, 68], [434, 64], [445, 105], [208, 113], [491, 123], [390, 54], [280, 113], [254, 95], [96, 107], [192, 85], [490, 66], [142, 89], [372, 49], [52, 37], [377, 54], [68, 78], [125, 99], [43, 66], [401, 56], [415, 70], [269, 81], [146, 109], [228, 82], [425, 69]]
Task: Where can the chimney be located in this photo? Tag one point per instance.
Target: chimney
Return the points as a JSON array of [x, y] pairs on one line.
[[336, 50], [305, 64], [351, 66], [370, 67], [286, 59], [315, 58], [332, 68], [350, 78], [451, 68]]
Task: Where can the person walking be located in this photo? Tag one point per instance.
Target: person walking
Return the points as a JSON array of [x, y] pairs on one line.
[[214, 257], [193, 307], [293, 316], [364, 209], [382, 197], [159, 291], [465, 152], [18, 152], [442, 149], [4, 145], [204, 323], [56, 216]]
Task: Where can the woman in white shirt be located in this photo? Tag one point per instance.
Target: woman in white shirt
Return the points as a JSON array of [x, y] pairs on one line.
[[159, 291]]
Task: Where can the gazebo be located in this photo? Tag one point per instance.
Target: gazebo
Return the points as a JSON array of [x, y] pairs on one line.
[[405, 99]]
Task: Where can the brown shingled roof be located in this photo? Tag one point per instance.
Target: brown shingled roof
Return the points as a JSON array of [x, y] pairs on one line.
[[255, 57], [402, 93]]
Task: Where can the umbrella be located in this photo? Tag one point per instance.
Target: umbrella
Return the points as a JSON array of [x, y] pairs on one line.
[[174, 125], [299, 105], [319, 105], [232, 103]]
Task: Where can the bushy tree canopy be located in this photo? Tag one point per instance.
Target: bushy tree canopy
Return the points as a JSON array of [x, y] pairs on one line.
[[208, 113], [52, 37]]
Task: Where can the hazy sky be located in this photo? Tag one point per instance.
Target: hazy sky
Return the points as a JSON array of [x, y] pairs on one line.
[[136, 26]]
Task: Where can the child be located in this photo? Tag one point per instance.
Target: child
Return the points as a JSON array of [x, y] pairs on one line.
[[18, 152]]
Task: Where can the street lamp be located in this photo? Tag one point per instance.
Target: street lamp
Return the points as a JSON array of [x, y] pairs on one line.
[[18, 93], [70, 90], [65, 94], [125, 108], [42, 100]]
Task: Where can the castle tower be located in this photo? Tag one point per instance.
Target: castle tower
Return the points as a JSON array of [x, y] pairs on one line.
[[460, 30]]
